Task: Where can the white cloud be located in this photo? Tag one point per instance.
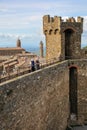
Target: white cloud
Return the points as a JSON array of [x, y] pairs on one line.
[[43, 6], [21, 36], [85, 23], [28, 15], [3, 10], [33, 5], [19, 22], [15, 36]]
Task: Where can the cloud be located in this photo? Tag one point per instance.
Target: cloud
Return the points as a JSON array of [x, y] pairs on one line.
[[14, 36], [19, 14], [3, 10], [85, 23], [34, 5], [21, 36], [20, 22], [24, 19], [60, 6]]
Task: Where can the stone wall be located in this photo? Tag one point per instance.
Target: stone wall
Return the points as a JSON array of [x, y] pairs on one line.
[[10, 51], [71, 38], [36, 101], [40, 100], [51, 29], [63, 38], [52, 47], [81, 88]]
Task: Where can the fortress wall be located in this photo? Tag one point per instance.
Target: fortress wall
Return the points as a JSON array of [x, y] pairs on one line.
[[82, 89], [37, 101]]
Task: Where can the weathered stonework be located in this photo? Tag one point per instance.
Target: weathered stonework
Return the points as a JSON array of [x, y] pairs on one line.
[[81, 66], [37, 101], [46, 99], [40, 100], [63, 38]]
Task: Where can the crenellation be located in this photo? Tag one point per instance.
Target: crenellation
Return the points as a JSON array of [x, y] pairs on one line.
[[50, 23], [64, 36], [80, 19], [70, 20], [57, 19], [73, 19], [51, 19], [46, 19]]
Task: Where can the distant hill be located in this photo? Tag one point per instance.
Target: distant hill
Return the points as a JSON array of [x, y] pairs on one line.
[[85, 47]]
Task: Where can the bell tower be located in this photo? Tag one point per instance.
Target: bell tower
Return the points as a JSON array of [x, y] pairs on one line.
[[18, 43], [41, 49]]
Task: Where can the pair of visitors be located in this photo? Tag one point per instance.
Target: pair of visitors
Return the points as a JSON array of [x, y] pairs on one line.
[[32, 65], [35, 65]]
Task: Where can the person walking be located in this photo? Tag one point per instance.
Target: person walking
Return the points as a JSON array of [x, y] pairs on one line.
[[37, 64], [32, 64]]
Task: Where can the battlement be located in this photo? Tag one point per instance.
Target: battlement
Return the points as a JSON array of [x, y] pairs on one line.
[[79, 19], [50, 23], [47, 19], [54, 23], [63, 36]]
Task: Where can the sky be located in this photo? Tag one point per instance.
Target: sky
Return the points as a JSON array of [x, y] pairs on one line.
[[24, 19]]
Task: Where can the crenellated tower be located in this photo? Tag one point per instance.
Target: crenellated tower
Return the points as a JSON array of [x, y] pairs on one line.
[[63, 38]]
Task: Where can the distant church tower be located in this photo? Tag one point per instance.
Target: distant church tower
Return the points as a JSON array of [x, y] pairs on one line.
[[41, 49], [63, 38], [18, 43]]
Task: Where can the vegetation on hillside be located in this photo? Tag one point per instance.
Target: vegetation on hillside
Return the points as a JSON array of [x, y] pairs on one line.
[[85, 47]]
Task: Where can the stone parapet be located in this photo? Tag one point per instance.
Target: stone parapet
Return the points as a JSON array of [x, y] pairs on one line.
[[36, 101]]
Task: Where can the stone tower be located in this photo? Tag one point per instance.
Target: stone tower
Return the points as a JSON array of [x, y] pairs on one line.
[[18, 43], [41, 49], [63, 38]]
